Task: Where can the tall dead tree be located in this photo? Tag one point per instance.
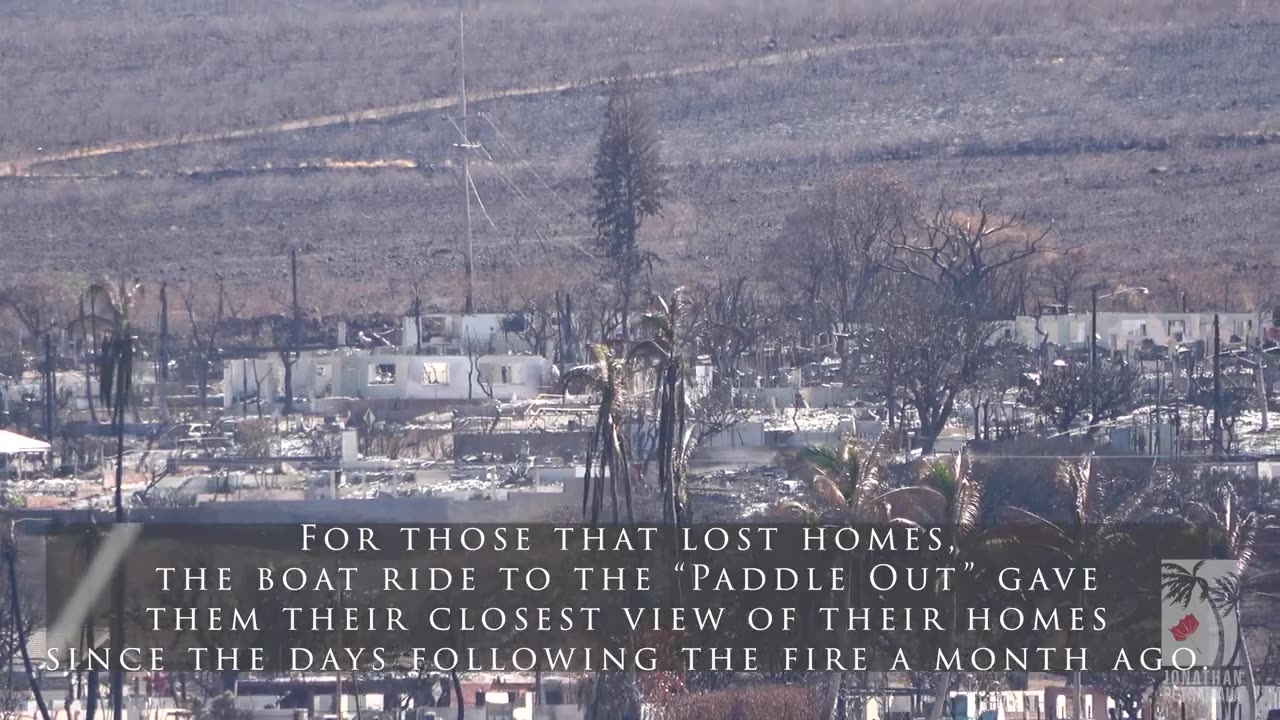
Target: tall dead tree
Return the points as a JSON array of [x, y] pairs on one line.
[[37, 304], [628, 188], [204, 332], [833, 253], [1063, 278], [417, 305], [932, 346], [50, 395], [862, 216], [733, 319], [800, 270], [1065, 393], [973, 253], [1217, 386]]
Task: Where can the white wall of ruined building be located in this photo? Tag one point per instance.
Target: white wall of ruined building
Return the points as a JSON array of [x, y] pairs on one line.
[[388, 373], [1117, 330], [504, 366], [481, 332]]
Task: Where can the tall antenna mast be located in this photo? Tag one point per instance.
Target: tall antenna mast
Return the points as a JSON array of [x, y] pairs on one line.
[[469, 260]]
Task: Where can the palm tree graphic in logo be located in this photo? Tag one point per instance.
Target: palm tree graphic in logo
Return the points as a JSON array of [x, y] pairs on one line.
[[1196, 589]]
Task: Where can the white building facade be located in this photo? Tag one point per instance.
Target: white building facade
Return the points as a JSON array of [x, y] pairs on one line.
[[384, 373], [1118, 331]]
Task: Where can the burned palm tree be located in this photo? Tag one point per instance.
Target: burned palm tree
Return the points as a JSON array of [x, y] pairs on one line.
[[850, 487], [1095, 523], [115, 384], [668, 350], [949, 493], [607, 695], [115, 367], [608, 466]]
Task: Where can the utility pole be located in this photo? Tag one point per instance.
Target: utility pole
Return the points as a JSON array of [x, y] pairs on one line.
[[289, 356], [337, 685], [1217, 389], [162, 357], [468, 258], [90, 349], [50, 394], [293, 279], [1261, 375], [1093, 360]]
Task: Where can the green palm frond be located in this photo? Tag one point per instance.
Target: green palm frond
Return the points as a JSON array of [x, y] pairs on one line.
[[940, 476], [823, 459], [854, 472]]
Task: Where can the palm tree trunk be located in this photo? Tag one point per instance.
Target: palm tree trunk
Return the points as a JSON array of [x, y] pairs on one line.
[[942, 692], [117, 584], [88, 359], [1078, 711], [288, 384], [91, 701], [117, 417], [457, 693], [537, 692], [626, 304], [940, 695], [831, 695], [1250, 683], [91, 693]]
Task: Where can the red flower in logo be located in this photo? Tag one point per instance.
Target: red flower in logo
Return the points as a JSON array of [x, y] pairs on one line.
[[1185, 628]]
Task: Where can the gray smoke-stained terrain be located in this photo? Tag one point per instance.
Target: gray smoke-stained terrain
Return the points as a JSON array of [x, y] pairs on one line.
[[217, 138]]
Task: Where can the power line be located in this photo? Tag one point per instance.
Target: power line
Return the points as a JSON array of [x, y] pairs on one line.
[[505, 142], [515, 188], [480, 202], [520, 194], [467, 186], [529, 166]]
